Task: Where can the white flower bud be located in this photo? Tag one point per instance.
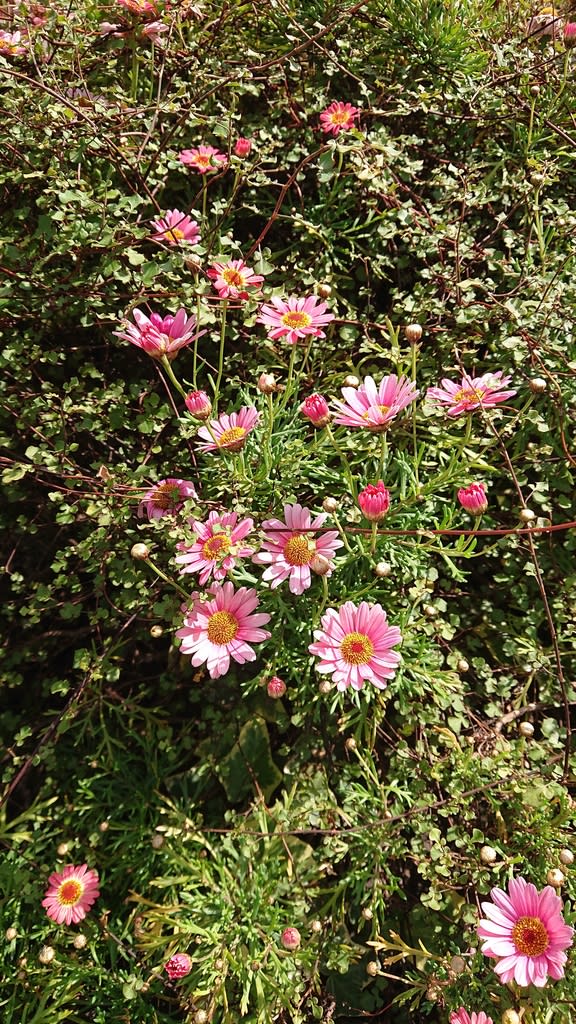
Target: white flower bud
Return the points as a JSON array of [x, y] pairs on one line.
[[462, 665], [566, 857], [526, 729], [351, 743], [413, 333], [323, 290], [156, 632], [373, 968], [79, 941], [325, 686], [62, 849], [267, 383], [316, 927], [351, 381], [140, 551], [157, 841], [11, 934], [382, 569], [527, 515], [488, 855], [537, 385], [556, 878], [510, 1017], [330, 504], [367, 914], [200, 1017], [46, 954]]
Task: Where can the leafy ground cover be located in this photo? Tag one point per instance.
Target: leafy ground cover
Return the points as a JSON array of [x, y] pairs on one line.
[[287, 462]]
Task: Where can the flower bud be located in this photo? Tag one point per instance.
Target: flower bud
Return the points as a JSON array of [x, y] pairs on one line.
[[267, 384], [537, 385], [488, 855], [351, 381], [242, 147], [79, 941], [526, 729], [316, 927], [200, 1017], [178, 966], [569, 35], [46, 954], [11, 934], [383, 569], [157, 841], [373, 968], [315, 408], [430, 611], [62, 849], [527, 515], [330, 504], [325, 687], [374, 501], [556, 878], [156, 632], [511, 1017], [367, 914], [323, 290], [276, 687], [413, 333], [219, 964], [290, 939], [140, 552], [457, 965], [320, 564], [473, 498], [462, 665], [351, 743], [566, 857], [199, 405], [104, 826]]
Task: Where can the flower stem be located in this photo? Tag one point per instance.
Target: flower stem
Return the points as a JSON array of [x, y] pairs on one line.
[[344, 461], [220, 356], [167, 366]]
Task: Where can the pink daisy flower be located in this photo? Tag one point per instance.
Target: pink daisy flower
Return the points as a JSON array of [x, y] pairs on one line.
[[473, 498], [71, 893], [204, 159], [525, 931], [139, 7], [161, 336], [229, 431], [10, 44], [461, 1016], [178, 966], [471, 393], [374, 407], [166, 497], [290, 549], [231, 279], [338, 117], [218, 547], [295, 318], [223, 627], [176, 227], [355, 645], [153, 30]]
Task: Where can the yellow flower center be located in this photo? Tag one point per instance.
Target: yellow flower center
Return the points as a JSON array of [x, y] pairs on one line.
[[216, 547], [70, 892], [203, 161], [357, 648], [175, 234], [299, 550], [222, 628], [339, 116], [233, 277], [381, 408], [469, 395], [530, 937], [166, 496], [233, 438], [296, 319]]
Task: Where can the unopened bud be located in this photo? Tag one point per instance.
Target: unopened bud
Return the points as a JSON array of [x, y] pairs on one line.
[[316, 927], [457, 965], [156, 632], [200, 1017], [566, 857], [157, 841], [325, 687], [104, 826], [351, 743], [276, 687], [79, 941], [46, 954], [140, 551], [62, 849], [527, 515], [526, 729], [324, 290], [534, 91], [462, 665], [267, 383], [367, 914], [290, 939], [537, 385], [218, 965], [511, 1017], [382, 569], [556, 878], [330, 505], [413, 333], [320, 565], [11, 934], [373, 968], [430, 611], [351, 381], [488, 855]]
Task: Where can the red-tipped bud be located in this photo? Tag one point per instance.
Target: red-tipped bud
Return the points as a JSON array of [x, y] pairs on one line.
[[473, 498], [198, 403], [178, 966], [374, 501], [315, 408], [276, 687], [290, 938], [242, 147]]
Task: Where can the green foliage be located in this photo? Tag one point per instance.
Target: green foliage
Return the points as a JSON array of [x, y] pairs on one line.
[[216, 816]]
